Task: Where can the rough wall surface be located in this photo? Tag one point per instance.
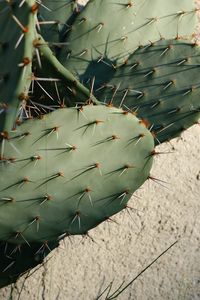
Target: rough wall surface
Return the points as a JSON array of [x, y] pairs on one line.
[[83, 267]]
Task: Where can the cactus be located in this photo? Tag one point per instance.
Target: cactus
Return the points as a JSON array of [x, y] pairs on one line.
[[95, 35], [161, 85], [55, 19], [74, 168], [144, 81], [16, 51], [58, 87], [53, 165], [155, 87], [19, 43]]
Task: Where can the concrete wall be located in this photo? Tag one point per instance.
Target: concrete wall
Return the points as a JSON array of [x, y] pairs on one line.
[[81, 268]]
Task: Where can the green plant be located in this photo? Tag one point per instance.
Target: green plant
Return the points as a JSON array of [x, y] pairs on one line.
[[77, 179], [161, 85], [142, 64], [16, 53], [107, 72], [96, 36]]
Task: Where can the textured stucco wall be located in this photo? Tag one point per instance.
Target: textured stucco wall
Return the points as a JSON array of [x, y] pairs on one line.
[[80, 268]]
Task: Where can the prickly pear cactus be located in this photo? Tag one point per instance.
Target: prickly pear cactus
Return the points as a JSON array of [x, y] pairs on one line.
[[151, 81], [70, 171], [55, 19], [96, 36], [160, 82], [54, 85], [19, 49], [74, 168], [17, 34], [161, 85]]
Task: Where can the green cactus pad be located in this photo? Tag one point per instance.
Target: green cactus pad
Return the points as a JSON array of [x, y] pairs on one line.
[[110, 30], [56, 18], [54, 85], [161, 83], [17, 23], [17, 260], [70, 171]]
